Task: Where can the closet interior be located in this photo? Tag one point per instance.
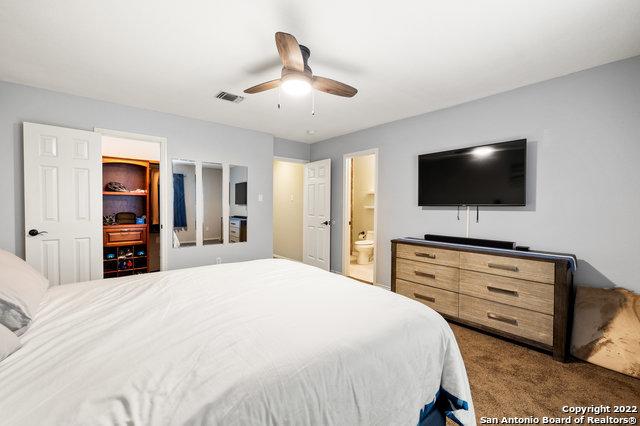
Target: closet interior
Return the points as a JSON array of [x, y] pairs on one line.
[[131, 219]]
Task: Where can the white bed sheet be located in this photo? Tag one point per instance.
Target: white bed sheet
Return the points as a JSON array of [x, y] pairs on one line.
[[251, 343]]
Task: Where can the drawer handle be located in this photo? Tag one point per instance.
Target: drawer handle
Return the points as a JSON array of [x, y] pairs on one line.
[[428, 255], [425, 274], [502, 318], [427, 298], [502, 291], [511, 268]]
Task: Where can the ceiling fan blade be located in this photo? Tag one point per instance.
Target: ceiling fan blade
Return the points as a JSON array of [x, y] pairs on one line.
[[289, 51], [333, 87], [268, 85]]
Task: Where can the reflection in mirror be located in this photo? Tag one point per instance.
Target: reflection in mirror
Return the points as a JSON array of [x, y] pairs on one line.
[[238, 177], [184, 203], [212, 203]]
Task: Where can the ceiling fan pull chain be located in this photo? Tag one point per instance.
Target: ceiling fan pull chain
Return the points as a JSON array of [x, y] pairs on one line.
[[278, 97], [313, 103]]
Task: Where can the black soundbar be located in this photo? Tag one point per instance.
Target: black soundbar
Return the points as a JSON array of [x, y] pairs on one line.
[[508, 245]]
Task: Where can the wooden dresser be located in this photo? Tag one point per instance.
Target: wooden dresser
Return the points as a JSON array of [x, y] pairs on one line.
[[514, 294]]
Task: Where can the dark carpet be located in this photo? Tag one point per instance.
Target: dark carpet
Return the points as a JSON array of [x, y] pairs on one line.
[[514, 381]]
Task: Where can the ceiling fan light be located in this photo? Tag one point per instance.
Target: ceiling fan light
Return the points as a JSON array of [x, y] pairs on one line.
[[296, 86]]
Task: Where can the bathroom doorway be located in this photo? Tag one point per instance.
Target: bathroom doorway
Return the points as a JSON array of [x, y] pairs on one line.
[[359, 248]]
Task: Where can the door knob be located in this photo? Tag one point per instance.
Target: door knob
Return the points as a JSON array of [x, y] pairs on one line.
[[34, 232], [326, 223]]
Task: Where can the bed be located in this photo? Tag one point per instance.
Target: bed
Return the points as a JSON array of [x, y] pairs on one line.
[[264, 342]]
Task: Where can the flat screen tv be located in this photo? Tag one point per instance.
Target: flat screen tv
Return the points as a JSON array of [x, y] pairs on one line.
[[484, 175]]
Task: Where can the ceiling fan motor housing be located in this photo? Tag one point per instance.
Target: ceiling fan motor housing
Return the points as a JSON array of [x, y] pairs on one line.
[[305, 57], [307, 74]]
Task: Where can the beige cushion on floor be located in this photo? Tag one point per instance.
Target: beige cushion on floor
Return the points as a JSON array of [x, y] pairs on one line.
[[606, 328], [21, 290], [9, 342]]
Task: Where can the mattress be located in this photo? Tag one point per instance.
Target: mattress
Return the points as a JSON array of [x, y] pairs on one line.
[[263, 342]]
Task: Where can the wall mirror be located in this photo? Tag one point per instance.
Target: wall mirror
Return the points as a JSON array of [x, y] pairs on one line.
[[238, 200], [184, 203], [212, 203]]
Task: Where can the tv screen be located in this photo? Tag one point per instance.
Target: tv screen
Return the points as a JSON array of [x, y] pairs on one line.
[[484, 175], [241, 194]]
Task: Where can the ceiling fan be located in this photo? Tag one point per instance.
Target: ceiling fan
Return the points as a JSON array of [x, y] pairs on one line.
[[296, 77]]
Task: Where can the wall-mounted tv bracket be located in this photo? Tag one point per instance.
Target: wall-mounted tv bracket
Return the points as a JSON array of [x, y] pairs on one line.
[[467, 218]]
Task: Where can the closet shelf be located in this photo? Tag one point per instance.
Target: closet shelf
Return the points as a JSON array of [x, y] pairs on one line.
[[139, 194], [115, 259]]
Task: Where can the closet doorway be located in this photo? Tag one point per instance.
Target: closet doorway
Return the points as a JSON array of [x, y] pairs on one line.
[[360, 212], [134, 171]]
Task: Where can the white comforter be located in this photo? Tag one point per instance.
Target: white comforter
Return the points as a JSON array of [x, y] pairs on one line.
[[252, 343]]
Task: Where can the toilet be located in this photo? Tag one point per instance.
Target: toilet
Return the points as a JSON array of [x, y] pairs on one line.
[[364, 248]]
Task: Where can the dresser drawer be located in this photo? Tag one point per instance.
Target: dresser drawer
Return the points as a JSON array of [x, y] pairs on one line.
[[443, 301], [115, 236], [510, 291], [425, 273], [520, 322], [429, 255], [532, 270]]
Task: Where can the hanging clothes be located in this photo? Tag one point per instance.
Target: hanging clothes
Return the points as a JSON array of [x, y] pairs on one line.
[[179, 207]]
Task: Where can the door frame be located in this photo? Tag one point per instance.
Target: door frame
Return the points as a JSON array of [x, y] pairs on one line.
[[290, 160], [165, 235], [346, 210]]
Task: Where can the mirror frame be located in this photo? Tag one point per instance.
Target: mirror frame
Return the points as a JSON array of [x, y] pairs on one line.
[[193, 163], [220, 166], [228, 187], [199, 202]]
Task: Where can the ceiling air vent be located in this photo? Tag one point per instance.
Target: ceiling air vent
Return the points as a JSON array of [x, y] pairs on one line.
[[230, 97]]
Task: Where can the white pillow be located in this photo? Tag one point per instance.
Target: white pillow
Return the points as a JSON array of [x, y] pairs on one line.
[[9, 342], [21, 290]]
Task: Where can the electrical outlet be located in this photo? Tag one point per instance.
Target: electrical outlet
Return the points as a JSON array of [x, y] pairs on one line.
[[218, 260]]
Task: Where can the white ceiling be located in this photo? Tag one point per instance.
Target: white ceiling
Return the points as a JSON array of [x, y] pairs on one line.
[[406, 57]]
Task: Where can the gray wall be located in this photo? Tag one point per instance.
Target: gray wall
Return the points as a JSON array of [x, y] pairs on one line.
[[188, 139], [583, 171], [291, 149]]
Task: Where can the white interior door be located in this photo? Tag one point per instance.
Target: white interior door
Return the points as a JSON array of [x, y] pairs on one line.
[[317, 214], [63, 202]]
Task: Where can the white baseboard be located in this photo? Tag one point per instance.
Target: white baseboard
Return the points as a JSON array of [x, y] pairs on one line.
[[382, 285]]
